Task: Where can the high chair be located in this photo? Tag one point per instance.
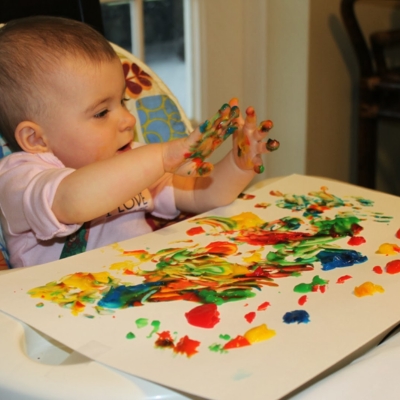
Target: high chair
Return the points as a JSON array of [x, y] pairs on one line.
[[158, 114]]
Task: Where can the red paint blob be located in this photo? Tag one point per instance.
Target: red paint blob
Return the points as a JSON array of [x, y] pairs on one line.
[[221, 248], [393, 267], [203, 316], [197, 230], [239, 341], [356, 241], [246, 196], [128, 272], [263, 306], [263, 238], [343, 278], [377, 269], [356, 229], [302, 300], [164, 340], [187, 346], [250, 317], [398, 234]]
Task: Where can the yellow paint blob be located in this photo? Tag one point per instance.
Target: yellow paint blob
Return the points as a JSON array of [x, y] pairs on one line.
[[86, 281], [256, 257], [239, 270], [368, 289], [124, 265], [388, 249], [247, 220], [259, 333]]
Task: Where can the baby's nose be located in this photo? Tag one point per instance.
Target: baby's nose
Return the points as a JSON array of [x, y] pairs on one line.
[[129, 120]]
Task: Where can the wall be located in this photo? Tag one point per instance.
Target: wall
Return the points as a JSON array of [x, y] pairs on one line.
[[287, 83], [331, 95]]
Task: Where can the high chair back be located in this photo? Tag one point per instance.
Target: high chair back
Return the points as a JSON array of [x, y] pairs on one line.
[[158, 114]]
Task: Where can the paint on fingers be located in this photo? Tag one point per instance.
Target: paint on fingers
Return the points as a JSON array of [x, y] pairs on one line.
[[272, 145]]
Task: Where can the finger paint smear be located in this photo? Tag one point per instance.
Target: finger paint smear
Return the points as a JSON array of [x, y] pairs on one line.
[[210, 276]]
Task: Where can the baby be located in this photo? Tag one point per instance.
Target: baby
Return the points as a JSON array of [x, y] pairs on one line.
[[74, 163]]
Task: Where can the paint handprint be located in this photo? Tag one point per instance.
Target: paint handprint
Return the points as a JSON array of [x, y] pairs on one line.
[[248, 141], [201, 143]]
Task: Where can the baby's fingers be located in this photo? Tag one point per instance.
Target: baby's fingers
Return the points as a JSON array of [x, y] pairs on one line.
[[271, 144], [258, 166]]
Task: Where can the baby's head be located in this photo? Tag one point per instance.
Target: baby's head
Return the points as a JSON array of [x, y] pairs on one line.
[[32, 50]]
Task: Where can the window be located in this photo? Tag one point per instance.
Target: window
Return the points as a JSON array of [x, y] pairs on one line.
[[152, 30]]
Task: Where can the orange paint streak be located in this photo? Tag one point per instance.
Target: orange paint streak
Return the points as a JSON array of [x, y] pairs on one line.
[[343, 278], [221, 248], [197, 230], [263, 306], [239, 341], [187, 346]]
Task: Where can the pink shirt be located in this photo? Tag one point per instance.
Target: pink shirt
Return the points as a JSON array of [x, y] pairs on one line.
[[33, 234]]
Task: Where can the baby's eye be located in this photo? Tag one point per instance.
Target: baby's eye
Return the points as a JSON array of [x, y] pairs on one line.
[[101, 114], [124, 100]]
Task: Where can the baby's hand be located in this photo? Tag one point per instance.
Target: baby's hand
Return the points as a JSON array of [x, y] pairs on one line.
[[247, 141], [187, 156]]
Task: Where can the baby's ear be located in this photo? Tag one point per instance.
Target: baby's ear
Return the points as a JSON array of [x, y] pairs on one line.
[[29, 136]]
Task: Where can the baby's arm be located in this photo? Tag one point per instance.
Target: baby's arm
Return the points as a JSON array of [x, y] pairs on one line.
[[99, 188], [233, 173]]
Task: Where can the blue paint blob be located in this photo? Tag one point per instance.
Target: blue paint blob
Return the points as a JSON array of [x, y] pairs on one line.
[[125, 296], [338, 258], [299, 316]]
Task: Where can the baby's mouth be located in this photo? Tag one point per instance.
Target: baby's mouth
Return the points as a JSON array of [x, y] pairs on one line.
[[124, 148]]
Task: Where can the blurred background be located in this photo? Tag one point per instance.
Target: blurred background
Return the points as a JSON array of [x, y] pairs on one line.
[[290, 59]]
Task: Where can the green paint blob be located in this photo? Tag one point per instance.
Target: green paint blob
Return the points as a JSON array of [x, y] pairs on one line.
[[218, 298], [141, 322], [217, 348], [224, 337], [156, 326], [308, 287], [130, 335]]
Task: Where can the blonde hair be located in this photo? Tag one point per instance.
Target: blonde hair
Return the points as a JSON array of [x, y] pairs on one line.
[[30, 48]]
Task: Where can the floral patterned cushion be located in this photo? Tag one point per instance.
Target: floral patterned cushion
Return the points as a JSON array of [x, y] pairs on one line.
[[159, 115]]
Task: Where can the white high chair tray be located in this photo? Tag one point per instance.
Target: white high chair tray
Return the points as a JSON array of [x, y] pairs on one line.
[[369, 377], [34, 366]]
